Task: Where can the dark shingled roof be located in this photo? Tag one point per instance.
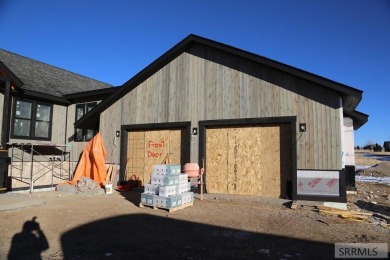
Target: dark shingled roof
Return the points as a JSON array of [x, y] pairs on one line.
[[40, 77]]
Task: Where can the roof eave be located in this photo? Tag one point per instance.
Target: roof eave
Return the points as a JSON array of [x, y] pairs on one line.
[[43, 97], [359, 118], [98, 94], [90, 93], [350, 102]]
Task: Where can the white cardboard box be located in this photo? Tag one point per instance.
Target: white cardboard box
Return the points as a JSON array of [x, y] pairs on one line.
[[164, 180], [187, 197], [166, 169], [147, 198], [184, 187], [151, 189], [157, 179], [183, 178], [159, 201], [169, 190]]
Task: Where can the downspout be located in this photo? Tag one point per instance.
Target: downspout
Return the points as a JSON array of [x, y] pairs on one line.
[[6, 115]]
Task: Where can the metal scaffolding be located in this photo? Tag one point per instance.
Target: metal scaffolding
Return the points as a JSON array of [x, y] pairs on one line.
[[56, 154]]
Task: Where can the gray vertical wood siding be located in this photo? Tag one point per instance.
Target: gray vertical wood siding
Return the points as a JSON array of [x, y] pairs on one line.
[[1, 107], [207, 84]]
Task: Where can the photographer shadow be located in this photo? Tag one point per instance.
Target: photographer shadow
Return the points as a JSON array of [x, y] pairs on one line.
[[29, 243]]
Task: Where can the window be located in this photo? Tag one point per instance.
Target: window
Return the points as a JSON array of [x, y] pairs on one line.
[[32, 120], [84, 134]]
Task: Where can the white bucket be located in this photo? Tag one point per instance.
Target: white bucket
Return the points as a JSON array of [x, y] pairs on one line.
[[108, 188]]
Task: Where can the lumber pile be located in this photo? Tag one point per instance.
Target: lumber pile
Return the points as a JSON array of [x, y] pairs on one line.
[[344, 214], [110, 178], [111, 171], [168, 189]]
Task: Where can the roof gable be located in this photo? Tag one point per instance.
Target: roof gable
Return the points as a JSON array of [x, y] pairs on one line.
[[351, 96]]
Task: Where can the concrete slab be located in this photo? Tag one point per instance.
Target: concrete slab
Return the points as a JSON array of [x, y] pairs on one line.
[[11, 201]]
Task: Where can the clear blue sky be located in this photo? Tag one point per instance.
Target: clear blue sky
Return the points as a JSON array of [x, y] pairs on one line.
[[112, 40]]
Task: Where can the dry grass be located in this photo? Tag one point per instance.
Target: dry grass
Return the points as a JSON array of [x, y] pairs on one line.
[[360, 160], [365, 161], [371, 153]]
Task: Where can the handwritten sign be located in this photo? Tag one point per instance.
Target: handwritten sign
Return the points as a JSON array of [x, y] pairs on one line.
[[154, 148]]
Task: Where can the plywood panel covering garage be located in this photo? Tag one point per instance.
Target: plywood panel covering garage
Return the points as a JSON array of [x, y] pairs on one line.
[[253, 160], [148, 148]]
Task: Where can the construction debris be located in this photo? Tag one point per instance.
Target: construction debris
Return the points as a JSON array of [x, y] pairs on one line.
[[168, 189], [381, 216], [294, 205], [86, 183], [344, 214]]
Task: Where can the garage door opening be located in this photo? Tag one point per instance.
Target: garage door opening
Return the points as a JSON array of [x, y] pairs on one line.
[[147, 148], [251, 160]]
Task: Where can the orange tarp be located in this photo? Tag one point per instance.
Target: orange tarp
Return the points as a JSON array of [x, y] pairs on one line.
[[92, 163]]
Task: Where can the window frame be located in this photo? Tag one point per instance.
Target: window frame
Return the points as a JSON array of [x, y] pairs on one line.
[[33, 120], [85, 107]]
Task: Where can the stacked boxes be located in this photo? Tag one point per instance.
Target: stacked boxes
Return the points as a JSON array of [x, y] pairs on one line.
[[174, 201], [183, 187], [183, 178], [147, 199], [163, 180], [168, 188], [167, 191], [159, 201], [151, 189], [187, 197], [166, 169]]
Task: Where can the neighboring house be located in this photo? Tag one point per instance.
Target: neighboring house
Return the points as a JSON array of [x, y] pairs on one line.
[[258, 126], [39, 105], [386, 146]]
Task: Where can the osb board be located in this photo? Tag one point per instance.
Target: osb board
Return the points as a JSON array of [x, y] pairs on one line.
[[216, 158], [232, 163], [148, 148], [270, 161], [245, 149], [156, 149], [135, 154], [247, 160]]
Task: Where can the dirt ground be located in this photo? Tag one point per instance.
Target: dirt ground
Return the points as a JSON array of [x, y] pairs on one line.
[[113, 226], [372, 197]]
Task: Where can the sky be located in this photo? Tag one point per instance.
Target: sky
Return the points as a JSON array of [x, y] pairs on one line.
[[112, 40]]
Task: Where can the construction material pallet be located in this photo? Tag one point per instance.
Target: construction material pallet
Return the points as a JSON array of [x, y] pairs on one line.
[[141, 205]]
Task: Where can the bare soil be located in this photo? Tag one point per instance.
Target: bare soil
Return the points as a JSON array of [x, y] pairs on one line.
[[372, 197], [113, 226], [381, 169]]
